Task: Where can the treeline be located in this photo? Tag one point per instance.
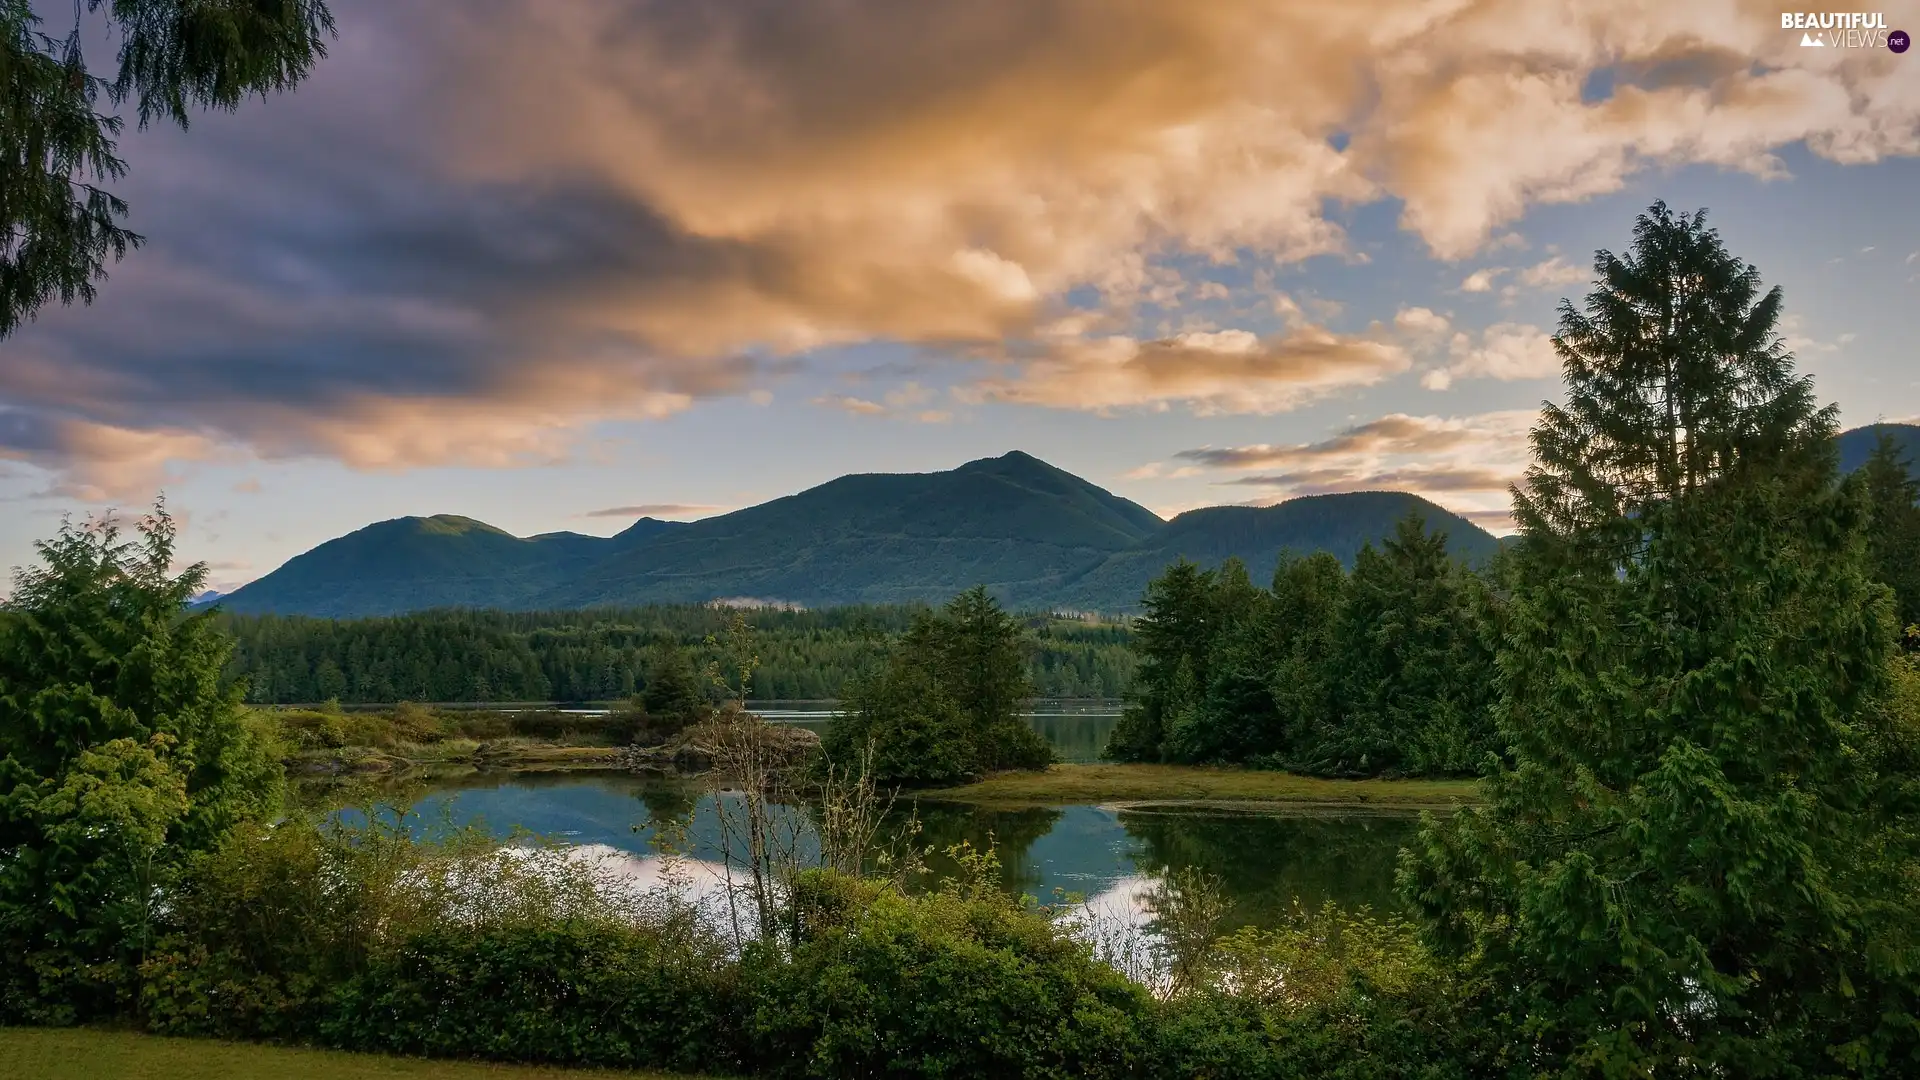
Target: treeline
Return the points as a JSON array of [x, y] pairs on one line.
[[1388, 670], [605, 655]]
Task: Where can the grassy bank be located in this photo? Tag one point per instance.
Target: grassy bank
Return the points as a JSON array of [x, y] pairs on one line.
[[508, 755], [85, 1054], [412, 739], [1079, 784]]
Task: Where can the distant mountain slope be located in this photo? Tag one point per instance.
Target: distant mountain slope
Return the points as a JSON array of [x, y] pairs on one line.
[[1014, 523], [1037, 536], [1340, 524], [1857, 445], [414, 563]]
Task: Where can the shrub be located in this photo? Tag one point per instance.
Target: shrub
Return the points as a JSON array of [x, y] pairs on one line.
[[572, 992], [961, 983]]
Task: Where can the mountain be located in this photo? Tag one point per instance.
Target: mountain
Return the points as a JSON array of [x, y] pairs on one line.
[[1036, 535], [1339, 524], [1857, 445], [1013, 523], [414, 563]]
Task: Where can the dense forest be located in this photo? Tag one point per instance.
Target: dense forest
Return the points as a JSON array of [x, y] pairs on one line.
[[1387, 670], [603, 655]]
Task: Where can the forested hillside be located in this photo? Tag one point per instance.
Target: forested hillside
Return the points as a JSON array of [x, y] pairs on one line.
[[1037, 537], [602, 654]]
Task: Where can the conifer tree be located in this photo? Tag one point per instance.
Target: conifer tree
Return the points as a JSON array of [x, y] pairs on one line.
[[672, 696], [978, 654], [1893, 538], [1174, 635], [1685, 868], [1413, 671], [58, 229], [1232, 716], [122, 752], [1309, 595]]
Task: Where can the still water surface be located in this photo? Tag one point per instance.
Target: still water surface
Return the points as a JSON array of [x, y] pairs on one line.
[[1105, 856]]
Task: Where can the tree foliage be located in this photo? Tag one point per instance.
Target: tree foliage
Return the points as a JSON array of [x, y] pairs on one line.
[[947, 703], [122, 749], [1687, 866], [1893, 538], [606, 654], [58, 228], [1384, 671]]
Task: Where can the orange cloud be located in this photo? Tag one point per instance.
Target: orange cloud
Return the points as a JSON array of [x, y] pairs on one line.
[[1465, 463], [1211, 371], [592, 211]]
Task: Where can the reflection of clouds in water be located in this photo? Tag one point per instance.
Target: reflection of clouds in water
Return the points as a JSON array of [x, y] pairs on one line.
[[1123, 902], [702, 886], [686, 878], [1117, 923]]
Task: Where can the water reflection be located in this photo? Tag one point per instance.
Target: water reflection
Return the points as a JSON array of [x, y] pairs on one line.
[[1267, 862]]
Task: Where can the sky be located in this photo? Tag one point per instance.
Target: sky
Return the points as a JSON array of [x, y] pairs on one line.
[[556, 264]]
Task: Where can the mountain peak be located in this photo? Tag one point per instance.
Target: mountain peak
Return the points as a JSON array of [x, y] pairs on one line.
[[1011, 462], [438, 525]]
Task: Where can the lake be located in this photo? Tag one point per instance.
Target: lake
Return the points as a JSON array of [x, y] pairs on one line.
[[1076, 729], [1105, 856]]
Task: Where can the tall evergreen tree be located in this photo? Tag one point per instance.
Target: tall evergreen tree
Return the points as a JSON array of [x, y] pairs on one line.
[[1309, 595], [673, 696], [978, 654], [1893, 538], [947, 704], [58, 230], [1173, 639], [1413, 669], [122, 752], [1235, 718], [1684, 868]]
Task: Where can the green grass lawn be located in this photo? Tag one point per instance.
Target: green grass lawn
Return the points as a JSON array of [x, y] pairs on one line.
[[88, 1054], [1076, 784]]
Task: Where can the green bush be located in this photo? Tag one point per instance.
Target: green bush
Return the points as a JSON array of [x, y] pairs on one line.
[[955, 984], [575, 993], [1361, 1036]]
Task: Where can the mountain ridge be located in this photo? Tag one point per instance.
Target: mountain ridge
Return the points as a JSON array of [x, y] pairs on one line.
[[1035, 534]]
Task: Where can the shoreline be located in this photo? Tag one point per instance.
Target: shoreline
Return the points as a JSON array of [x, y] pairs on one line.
[[1133, 787], [1145, 787]]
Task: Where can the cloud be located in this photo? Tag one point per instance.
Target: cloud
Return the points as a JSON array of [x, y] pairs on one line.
[[1549, 273], [1496, 521], [849, 404], [902, 402], [1481, 280], [1421, 321], [592, 211], [658, 510], [1465, 463], [1222, 371], [1794, 335], [1552, 273], [1397, 434], [1504, 351], [1412, 478]]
